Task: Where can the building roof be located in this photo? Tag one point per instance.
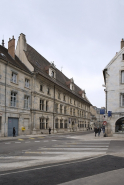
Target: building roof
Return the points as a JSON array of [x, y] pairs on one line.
[[16, 62], [41, 65]]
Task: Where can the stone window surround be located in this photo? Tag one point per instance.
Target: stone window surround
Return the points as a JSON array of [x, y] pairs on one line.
[[48, 90], [28, 81], [27, 98], [121, 94], [44, 123], [13, 91]]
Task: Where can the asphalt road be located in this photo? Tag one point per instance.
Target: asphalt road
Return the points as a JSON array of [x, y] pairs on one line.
[[57, 159]]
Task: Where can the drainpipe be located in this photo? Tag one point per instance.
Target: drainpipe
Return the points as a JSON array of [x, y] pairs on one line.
[[54, 109], [5, 99]]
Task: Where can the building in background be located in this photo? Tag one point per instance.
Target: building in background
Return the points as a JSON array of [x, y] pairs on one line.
[[114, 90], [35, 95]]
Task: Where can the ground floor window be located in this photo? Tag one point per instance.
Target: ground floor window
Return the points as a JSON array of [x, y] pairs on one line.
[[61, 124], [65, 123], [56, 123], [47, 123], [42, 124]]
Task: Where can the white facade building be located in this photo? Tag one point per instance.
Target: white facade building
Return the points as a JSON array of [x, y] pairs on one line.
[[114, 91]]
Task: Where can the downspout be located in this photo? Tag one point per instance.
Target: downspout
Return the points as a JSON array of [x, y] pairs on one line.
[[54, 110], [5, 99]]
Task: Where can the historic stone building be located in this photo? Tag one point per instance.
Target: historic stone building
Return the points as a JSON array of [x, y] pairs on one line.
[[114, 91], [35, 95]]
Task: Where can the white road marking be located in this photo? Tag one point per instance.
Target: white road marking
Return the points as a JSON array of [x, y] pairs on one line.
[[54, 140], [7, 143], [36, 141], [74, 149], [27, 142], [21, 171], [17, 142]]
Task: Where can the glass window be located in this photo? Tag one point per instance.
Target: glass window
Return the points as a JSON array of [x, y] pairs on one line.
[[122, 100], [42, 125], [65, 123], [60, 109], [27, 83], [46, 123], [14, 77], [61, 123], [70, 111], [26, 101], [41, 104], [122, 76], [58, 95], [52, 74], [64, 110], [56, 108], [13, 99], [73, 112], [46, 105], [48, 90], [41, 88]]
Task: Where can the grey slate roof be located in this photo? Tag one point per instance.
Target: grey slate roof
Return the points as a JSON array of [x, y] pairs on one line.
[[41, 65], [16, 62]]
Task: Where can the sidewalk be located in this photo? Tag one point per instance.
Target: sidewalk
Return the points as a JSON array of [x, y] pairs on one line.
[[86, 137]]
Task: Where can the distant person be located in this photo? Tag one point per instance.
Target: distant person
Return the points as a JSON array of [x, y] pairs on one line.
[[14, 131], [99, 131], [49, 130], [96, 131]]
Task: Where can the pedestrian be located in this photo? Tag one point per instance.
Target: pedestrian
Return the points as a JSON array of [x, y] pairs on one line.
[[49, 130], [14, 131], [96, 131], [99, 131]]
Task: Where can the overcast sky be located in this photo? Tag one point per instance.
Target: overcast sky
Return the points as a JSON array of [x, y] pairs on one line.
[[82, 36]]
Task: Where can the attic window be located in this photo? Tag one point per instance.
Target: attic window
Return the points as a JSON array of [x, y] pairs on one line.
[[2, 54], [123, 56]]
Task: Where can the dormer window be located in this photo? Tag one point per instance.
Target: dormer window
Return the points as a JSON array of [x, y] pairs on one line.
[[52, 74], [52, 70]]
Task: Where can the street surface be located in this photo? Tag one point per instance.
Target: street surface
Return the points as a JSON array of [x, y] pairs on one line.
[[72, 158]]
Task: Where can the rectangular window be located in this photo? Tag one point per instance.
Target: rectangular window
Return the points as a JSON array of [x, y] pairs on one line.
[[73, 112], [61, 124], [74, 102], [70, 100], [41, 104], [13, 99], [64, 98], [122, 76], [52, 74], [48, 90], [58, 95], [60, 109], [14, 77], [65, 124], [64, 110], [42, 125], [122, 100], [0, 123], [56, 108], [46, 105], [56, 123], [70, 111], [26, 102], [27, 83], [46, 123], [41, 88], [122, 56]]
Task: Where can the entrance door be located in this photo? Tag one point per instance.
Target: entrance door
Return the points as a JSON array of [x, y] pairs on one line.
[[12, 122]]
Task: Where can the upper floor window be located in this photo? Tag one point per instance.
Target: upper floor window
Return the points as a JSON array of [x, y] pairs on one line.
[[122, 100], [64, 110], [74, 102], [73, 112], [14, 77], [48, 90], [41, 104], [63, 97], [27, 83], [70, 111], [52, 74], [46, 105], [58, 95], [41, 87], [70, 100], [26, 101], [13, 99], [61, 109], [123, 56], [56, 108], [122, 76]]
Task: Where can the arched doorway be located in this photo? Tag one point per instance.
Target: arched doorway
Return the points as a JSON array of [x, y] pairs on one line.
[[119, 125]]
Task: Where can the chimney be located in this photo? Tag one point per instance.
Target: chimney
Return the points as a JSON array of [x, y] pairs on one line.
[[3, 43], [122, 43], [11, 47]]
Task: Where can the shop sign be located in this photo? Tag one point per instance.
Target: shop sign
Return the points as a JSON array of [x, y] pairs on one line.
[[104, 123]]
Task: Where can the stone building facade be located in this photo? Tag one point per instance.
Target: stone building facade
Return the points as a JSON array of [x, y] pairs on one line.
[[35, 95], [114, 91]]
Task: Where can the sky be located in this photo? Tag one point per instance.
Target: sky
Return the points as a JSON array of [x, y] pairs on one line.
[[80, 36]]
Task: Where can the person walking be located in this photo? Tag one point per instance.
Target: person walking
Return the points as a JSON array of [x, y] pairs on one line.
[[49, 130], [99, 131], [96, 131], [14, 131]]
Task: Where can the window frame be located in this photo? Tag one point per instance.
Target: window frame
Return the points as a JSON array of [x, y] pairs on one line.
[[13, 99], [26, 101], [27, 83], [12, 79]]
